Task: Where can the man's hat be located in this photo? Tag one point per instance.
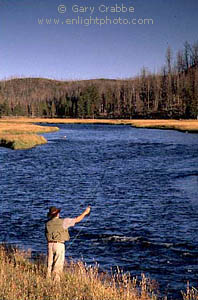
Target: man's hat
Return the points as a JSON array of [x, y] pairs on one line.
[[53, 211]]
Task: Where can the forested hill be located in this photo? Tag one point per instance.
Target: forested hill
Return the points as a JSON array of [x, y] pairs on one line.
[[171, 93]]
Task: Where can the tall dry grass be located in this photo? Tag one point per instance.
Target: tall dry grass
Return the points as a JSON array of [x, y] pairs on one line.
[[21, 279], [190, 294]]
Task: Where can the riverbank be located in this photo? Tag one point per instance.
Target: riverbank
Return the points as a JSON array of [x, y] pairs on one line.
[[22, 133], [20, 278], [181, 125], [190, 126]]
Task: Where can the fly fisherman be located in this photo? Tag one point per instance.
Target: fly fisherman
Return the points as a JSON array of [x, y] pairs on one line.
[[56, 231]]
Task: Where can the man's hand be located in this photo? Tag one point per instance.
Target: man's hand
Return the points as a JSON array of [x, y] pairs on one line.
[[87, 211]]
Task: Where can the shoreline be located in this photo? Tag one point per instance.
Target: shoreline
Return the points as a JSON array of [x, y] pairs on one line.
[[18, 134], [23, 133], [24, 278]]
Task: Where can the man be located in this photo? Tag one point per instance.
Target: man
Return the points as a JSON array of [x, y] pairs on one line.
[[56, 231]]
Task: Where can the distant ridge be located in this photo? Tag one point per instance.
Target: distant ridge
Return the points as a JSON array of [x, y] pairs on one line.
[[170, 94]]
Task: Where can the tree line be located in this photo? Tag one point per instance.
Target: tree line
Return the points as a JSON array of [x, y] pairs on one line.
[[170, 93]]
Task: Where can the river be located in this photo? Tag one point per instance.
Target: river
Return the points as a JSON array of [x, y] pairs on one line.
[[142, 185]]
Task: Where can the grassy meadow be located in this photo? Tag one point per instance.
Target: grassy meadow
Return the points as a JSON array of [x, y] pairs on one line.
[[181, 125], [23, 279], [22, 133]]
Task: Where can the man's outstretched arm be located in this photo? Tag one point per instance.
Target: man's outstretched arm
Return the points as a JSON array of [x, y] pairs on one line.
[[81, 217]]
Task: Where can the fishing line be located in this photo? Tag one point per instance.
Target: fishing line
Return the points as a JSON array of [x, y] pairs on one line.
[[88, 218]]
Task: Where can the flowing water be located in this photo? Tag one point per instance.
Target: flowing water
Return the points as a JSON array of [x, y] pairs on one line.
[[142, 185]]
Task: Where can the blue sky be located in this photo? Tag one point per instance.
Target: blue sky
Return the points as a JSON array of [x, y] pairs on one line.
[[71, 51]]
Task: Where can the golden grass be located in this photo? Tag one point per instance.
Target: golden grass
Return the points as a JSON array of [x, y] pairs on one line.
[[21, 279], [182, 125], [20, 133], [16, 134], [25, 280], [21, 141], [61, 120]]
